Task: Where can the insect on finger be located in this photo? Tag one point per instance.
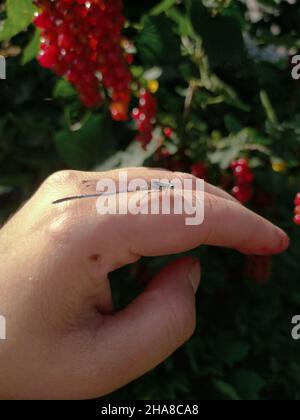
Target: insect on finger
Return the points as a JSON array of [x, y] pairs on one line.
[[155, 186]]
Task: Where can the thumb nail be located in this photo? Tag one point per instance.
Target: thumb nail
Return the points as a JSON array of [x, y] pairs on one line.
[[194, 274]]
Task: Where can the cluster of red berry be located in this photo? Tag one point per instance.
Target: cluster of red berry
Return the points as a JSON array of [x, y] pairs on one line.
[[145, 116], [82, 41], [243, 189], [297, 209]]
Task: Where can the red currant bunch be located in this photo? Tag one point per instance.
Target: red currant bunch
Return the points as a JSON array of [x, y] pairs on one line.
[[297, 209], [145, 116], [82, 41], [243, 189]]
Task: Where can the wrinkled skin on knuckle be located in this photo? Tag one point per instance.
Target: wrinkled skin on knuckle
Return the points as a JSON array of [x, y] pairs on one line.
[[211, 203], [182, 321], [39, 209], [61, 178], [59, 185]]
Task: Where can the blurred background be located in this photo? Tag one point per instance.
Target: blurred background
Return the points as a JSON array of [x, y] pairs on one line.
[[214, 79]]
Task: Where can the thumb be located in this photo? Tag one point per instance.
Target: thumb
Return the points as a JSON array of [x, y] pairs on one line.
[[154, 325]]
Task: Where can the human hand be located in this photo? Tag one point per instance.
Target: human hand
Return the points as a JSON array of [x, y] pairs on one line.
[[64, 339]]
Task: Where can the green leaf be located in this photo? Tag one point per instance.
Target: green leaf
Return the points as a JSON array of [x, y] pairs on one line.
[[232, 124], [83, 148], [32, 49], [19, 16], [163, 6], [248, 384], [266, 103], [221, 35], [4, 189], [184, 27], [234, 352], [63, 89], [223, 157], [226, 390], [155, 39]]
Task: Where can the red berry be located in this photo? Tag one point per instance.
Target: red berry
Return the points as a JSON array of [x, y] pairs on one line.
[[199, 170], [243, 173], [240, 162], [164, 153], [243, 190], [297, 210], [240, 170], [168, 132], [47, 58], [233, 164], [297, 200], [243, 193], [245, 179], [243, 162], [145, 117], [129, 58], [43, 21], [119, 111], [297, 219]]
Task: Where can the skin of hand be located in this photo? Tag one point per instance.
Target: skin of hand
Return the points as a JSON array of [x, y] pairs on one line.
[[64, 339]]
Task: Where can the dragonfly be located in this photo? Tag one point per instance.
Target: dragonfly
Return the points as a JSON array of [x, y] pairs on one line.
[[154, 186]]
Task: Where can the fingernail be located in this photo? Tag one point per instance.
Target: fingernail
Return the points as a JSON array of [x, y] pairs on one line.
[[194, 274], [283, 239]]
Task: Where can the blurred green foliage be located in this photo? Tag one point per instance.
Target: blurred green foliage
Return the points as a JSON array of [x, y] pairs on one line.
[[226, 90]]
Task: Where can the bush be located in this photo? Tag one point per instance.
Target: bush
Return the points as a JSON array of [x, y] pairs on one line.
[[220, 72]]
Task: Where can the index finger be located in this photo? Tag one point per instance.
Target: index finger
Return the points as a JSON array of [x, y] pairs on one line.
[[226, 224]]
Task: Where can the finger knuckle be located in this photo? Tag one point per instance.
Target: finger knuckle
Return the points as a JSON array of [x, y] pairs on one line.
[[183, 175], [60, 178], [210, 203]]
